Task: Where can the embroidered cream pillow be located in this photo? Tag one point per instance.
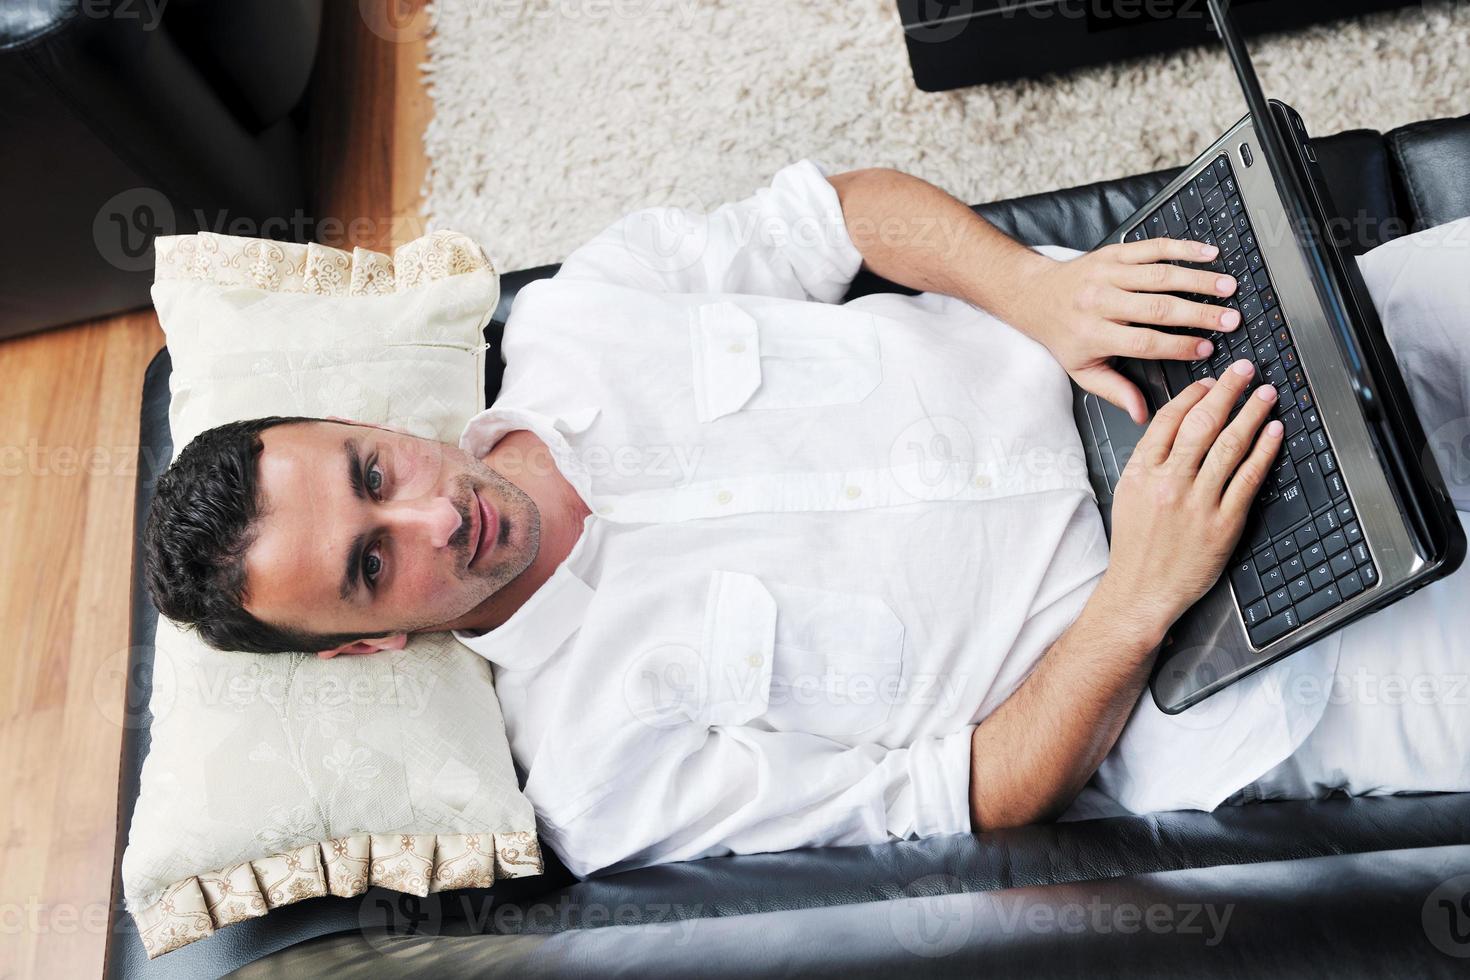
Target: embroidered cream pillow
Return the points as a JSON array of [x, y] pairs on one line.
[[274, 778]]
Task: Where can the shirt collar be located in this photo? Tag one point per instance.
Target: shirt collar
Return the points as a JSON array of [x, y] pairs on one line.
[[555, 610], [490, 426], [535, 631]]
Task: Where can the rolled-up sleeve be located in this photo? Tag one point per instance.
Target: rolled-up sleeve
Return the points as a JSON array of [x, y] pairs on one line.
[[693, 792], [789, 239]]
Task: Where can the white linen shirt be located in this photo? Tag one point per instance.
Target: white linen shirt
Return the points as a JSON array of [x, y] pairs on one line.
[[825, 540]]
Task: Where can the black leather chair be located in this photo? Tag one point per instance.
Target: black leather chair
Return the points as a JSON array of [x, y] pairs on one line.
[[126, 119], [1376, 886]]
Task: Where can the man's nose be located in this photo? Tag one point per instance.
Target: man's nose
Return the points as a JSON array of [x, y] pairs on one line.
[[433, 517]]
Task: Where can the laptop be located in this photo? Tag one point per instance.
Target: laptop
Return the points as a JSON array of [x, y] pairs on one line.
[[1354, 515]]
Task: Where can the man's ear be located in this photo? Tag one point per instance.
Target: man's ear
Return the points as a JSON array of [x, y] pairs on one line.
[[394, 642], [371, 425]]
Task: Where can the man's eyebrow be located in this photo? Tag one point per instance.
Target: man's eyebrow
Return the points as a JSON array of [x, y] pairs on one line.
[[354, 469], [354, 552]]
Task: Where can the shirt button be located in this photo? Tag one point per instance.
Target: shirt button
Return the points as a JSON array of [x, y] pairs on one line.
[[854, 493], [755, 660], [737, 348], [982, 482], [724, 496], [605, 509]]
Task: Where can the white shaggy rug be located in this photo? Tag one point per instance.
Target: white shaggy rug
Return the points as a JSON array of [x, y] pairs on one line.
[[555, 117]]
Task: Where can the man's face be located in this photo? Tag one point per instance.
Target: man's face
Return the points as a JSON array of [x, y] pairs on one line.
[[366, 531]]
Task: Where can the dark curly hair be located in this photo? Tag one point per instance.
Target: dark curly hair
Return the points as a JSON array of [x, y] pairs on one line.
[[200, 524]]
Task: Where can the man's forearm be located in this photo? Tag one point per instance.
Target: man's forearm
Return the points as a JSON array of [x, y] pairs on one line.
[[912, 233], [1031, 757]]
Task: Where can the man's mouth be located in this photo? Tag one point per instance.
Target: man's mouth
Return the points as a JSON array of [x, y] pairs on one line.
[[485, 532]]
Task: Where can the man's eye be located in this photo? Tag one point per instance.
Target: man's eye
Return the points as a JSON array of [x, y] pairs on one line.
[[374, 479], [372, 567]]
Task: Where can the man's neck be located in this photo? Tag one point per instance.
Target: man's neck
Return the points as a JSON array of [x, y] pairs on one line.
[[524, 459]]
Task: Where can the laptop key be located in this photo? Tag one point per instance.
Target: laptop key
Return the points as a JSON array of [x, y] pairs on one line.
[[1222, 167], [1278, 600], [1318, 603], [1251, 307], [1368, 575], [1287, 510], [1206, 181], [1177, 376], [1258, 612], [1312, 483], [1268, 298], [1350, 585], [1321, 576], [1190, 198], [1215, 200], [1353, 531], [1341, 564], [1292, 419], [1227, 184], [1335, 486], [1274, 628], [1359, 552], [1247, 584], [1174, 218], [1300, 588], [1156, 226], [1272, 579]]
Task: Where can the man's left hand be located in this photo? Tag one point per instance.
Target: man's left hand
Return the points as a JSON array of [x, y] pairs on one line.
[[1099, 306]]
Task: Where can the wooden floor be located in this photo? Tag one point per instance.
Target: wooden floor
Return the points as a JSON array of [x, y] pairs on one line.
[[68, 443]]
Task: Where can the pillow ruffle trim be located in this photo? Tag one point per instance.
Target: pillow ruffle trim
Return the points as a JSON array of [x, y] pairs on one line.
[[192, 909], [285, 267]]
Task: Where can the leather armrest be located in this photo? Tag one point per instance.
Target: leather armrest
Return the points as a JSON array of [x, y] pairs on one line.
[[1430, 158]]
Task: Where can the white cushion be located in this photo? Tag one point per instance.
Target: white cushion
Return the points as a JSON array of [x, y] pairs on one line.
[[272, 778]]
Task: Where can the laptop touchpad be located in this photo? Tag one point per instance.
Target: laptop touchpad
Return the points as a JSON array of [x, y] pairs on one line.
[[1118, 435]]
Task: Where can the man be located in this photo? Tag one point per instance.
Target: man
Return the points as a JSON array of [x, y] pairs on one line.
[[757, 571]]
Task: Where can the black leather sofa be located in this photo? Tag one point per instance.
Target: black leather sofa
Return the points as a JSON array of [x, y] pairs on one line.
[[1375, 886], [126, 119]]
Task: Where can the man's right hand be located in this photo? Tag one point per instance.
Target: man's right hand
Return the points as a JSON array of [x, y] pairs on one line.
[[1182, 500]]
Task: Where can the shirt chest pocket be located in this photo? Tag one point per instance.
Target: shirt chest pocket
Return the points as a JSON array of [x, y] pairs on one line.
[[811, 660], [789, 355]]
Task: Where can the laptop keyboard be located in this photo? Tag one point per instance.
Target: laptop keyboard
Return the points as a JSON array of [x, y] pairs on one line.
[[1303, 552]]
